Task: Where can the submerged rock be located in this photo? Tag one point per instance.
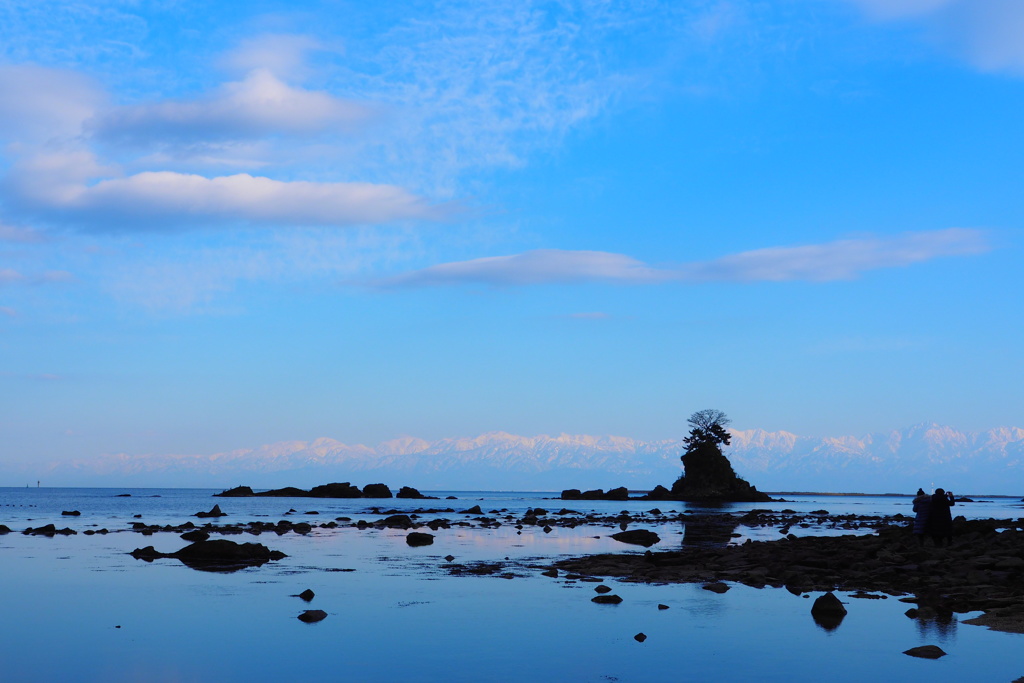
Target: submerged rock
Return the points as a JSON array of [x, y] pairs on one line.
[[637, 537], [416, 539], [215, 511], [311, 616], [219, 555], [926, 652]]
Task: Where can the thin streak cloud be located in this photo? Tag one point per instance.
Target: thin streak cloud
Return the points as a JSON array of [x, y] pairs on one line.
[[839, 260]]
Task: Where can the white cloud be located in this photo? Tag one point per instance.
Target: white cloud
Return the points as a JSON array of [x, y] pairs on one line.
[[8, 311], [13, 233], [283, 55], [9, 276], [40, 104], [987, 33], [840, 260], [74, 187], [542, 266], [258, 106]]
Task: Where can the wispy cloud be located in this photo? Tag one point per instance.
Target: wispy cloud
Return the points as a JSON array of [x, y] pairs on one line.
[[985, 32], [14, 233], [258, 106], [839, 260], [8, 311], [9, 276]]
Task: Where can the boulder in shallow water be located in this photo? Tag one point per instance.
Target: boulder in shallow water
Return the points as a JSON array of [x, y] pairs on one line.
[[637, 537], [71, 513], [416, 539], [828, 604], [926, 652], [307, 595], [195, 535], [716, 587], [410, 492], [215, 511], [606, 599], [311, 616]]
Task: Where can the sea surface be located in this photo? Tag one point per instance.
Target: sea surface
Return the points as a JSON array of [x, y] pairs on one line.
[[80, 608]]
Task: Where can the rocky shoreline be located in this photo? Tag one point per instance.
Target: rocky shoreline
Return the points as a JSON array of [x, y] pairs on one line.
[[983, 570]]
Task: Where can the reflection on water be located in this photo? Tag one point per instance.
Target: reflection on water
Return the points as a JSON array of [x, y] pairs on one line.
[[707, 530], [395, 614]]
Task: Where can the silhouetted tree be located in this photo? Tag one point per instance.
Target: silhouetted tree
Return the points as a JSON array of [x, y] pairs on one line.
[[707, 429]]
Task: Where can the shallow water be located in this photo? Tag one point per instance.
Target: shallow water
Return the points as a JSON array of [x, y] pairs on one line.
[[399, 616]]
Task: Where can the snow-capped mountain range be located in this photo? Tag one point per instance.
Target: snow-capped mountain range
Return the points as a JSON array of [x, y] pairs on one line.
[[924, 455]]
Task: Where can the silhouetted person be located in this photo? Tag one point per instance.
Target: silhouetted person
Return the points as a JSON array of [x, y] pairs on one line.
[[940, 520], [922, 504]]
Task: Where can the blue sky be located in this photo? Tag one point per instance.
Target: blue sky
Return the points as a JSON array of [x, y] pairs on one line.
[[228, 224]]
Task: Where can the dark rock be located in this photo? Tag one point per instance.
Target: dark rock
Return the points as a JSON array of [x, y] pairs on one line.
[[640, 637], [571, 494], [659, 492], [926, 652], [302, 528], [637, 537], [410, 492], [376, 491], [311, 616], [828, 604], [286, 492], [602, 589], [416, 539], [662, 606], [307, 595], [553, 573], [397, 522], [335, 490], [71, 513], [123, 495], [709, 476], [214, 512], [4, 529], [449, 558], [196, 535], [716, 587], [620, 493], [237, 492], [607, 599], [219, 555], [475, 510]]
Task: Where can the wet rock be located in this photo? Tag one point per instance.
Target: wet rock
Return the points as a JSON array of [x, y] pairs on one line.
[[71, 513], [4, 529], [410, 492], [660, 607], [219, 555], [416, 539], [450, 558], [602, 589], [637, 537], [215, 511], [710, 476], [311, 616], [302, 528], [926, 652], [196, 535], [640, 637], [307, 595], [828, 604], [475, 510], [553, 573], [607, 599], [716, 587], [397, 522]]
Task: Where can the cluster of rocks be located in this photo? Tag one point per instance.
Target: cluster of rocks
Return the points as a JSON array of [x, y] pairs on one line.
[[335, 490], [982, 570], [620, 493]]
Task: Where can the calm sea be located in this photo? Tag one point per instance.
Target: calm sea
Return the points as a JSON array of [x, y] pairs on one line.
[[79, 608]]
